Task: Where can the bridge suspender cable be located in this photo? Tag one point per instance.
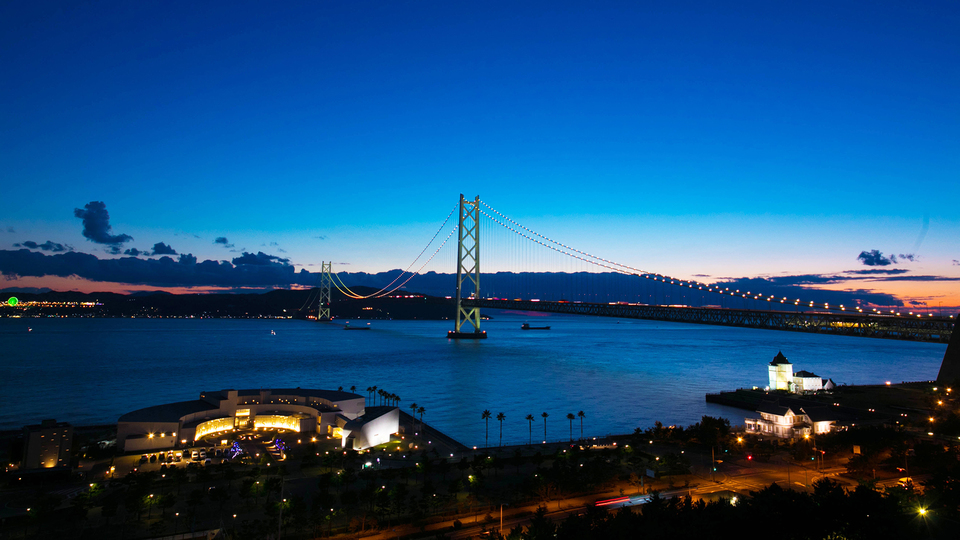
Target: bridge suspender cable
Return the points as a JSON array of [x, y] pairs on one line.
[[384, 291]]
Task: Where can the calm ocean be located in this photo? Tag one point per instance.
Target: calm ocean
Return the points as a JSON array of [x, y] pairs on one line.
[[622, 373]]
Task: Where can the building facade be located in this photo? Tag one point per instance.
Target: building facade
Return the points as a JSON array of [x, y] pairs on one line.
[[47, 445], [783, 422], [296, 409]]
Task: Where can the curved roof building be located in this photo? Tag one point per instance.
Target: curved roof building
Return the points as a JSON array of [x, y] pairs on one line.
[[297, 409]]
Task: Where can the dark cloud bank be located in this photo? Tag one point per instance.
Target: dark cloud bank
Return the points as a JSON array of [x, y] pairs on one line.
[[248, 270], [261, 270]]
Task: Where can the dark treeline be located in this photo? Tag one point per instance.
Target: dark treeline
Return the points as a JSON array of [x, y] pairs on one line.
[[772, 512]]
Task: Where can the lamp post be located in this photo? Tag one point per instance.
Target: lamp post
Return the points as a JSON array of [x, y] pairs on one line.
[[501, 517]]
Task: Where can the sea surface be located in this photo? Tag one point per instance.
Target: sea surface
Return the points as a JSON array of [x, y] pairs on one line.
[[621, 373]]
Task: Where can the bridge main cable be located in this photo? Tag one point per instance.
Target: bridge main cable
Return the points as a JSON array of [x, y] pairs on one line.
[[629, 270], [351, 294]]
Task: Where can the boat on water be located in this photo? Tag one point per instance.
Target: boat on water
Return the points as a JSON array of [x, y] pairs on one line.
[[526, 326], [273, 332], [348, 327]]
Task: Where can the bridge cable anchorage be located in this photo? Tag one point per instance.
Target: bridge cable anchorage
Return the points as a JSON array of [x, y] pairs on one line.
[[617, 267], [381, 292]]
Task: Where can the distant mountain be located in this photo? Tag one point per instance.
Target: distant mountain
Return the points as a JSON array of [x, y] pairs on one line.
[[29, 290], [273, 304]]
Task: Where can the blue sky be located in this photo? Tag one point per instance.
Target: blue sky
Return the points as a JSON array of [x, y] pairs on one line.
[[685, 138]]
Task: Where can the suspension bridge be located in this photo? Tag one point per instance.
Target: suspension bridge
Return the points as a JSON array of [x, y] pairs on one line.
[[533, 272]]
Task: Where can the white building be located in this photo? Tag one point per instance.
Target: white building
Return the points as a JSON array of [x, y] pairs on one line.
[[297, 409], [781, 421], [780, 373], [781, 376]]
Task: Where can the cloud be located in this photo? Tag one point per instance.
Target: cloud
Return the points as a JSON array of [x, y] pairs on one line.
[[163, 272], [875, 258], [259, 259], [222, 240], [922, 278], [11, 230], [274, 244], [134, 252], [162, 249], [320, 237], [956, 262], [96, 224], [878, 271], [908, 257], [114, 250]]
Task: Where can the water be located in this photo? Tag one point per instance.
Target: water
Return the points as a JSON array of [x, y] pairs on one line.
[[622, 373]]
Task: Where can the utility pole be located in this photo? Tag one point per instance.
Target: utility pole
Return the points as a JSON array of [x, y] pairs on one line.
[[713, 465], [282, 500]]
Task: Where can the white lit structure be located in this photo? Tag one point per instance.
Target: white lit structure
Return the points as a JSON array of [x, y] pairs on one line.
[[781, 376], [371, 429], [294, 409], [780, 373], [781, 421]]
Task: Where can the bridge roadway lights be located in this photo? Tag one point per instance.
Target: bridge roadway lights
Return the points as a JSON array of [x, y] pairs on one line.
[[466, 335]]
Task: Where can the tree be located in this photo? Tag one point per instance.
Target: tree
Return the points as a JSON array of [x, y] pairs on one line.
[[544, 415], [570, 417], [486, 418], [530, 421], [369, 391], [421, 410], [413, 412], [500, 418], [581, 415], [353, 389]]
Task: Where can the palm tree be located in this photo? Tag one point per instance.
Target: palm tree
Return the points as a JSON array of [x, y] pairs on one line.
[[413, 409], [501, 417], [374, 391], [353, 389], [570, 417], [530, 420], [369, 391], [486, 418], [544, 415], [421, 410], [381, 392], [581, 415]]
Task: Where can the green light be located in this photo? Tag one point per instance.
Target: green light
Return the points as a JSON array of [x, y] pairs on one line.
[[12, 301]]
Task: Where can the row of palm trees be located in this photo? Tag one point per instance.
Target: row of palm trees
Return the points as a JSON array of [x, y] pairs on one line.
[[486, 415], [414, 409], [386, 398]]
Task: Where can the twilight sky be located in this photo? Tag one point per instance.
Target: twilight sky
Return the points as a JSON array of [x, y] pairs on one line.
[[719, 140]]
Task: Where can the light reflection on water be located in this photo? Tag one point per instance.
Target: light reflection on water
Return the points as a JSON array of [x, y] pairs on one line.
[[622, 373]]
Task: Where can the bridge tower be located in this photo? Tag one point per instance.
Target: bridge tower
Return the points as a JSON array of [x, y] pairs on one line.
[[323, 302], [468, 269]]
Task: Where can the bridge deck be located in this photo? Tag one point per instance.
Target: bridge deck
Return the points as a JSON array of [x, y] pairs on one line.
[[935, 329]]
